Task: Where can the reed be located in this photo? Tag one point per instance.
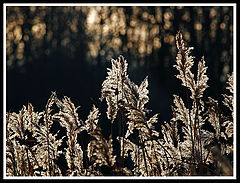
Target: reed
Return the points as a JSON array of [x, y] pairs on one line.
[[32, 149]]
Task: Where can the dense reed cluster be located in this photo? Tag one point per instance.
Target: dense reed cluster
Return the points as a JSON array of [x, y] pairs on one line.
[[198, 140]]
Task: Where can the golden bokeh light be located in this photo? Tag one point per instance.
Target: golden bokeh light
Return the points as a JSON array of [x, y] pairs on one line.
[[106, 30]]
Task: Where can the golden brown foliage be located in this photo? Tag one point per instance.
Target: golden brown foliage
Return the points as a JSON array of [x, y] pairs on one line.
[[32, 149]]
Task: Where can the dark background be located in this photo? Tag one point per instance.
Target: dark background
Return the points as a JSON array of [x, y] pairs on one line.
[[67, 50]]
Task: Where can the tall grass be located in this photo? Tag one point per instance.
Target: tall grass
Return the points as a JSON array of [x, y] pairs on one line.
[[33, 149]]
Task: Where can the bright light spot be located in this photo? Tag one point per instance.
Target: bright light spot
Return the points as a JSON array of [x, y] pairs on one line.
[[91, 16]]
